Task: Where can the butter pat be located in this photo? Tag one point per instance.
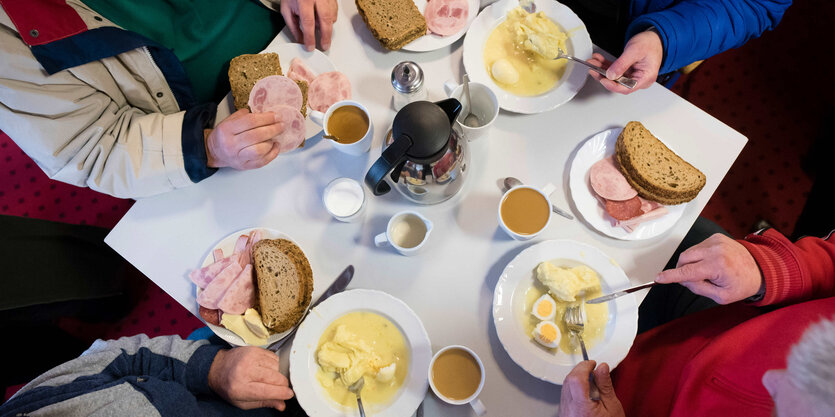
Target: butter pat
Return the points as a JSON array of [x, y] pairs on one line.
[[566, 284], [236, 323], [255, 324]]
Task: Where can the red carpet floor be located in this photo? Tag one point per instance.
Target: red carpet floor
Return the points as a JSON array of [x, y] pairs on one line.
[[777, 103]]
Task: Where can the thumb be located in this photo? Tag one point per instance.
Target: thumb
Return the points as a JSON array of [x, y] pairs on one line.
[[629, 57], [603, 379]]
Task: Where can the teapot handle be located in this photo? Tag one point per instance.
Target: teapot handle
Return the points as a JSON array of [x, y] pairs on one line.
[[393, 157]]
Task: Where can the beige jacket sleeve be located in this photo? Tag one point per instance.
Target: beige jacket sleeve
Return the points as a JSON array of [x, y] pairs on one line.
[[100, 124]]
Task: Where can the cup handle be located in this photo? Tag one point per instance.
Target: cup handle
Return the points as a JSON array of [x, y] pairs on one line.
[[449, 87], [317, 117], [478, 407], [549, 189], [381, 240]]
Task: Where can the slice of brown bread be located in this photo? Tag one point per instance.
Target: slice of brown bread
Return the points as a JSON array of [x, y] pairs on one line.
[[655, 171], [284, 282], [246, 70], [393, 22]]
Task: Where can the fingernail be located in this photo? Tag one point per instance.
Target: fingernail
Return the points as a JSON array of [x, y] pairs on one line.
[[610, 75]]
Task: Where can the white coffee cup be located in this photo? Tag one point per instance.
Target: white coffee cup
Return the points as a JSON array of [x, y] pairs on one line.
[[545, 192], [472, 400], [357, 148], [406, 232], [344, 198], [485, 107]]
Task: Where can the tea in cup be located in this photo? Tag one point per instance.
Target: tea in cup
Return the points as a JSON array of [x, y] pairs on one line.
[[456, 376], [406, 232], [349, 122], [525, 211]]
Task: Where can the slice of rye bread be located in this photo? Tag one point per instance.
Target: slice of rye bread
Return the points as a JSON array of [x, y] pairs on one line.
[[655, 171], [284, 282], [393, 22], [245, 70]]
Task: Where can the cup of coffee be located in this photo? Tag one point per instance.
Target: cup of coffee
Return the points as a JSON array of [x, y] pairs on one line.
[[456, 376], [406, 232], [525, 211], [484, 106], [349, 122]]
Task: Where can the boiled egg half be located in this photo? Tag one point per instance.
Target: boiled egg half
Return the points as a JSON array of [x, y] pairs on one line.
[[547, 334], [545, 308]]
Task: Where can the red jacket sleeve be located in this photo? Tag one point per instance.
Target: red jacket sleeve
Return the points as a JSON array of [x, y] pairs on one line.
[[793, 272]]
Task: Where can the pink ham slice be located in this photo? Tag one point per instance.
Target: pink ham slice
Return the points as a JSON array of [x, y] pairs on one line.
[[240, 244], [299, 71], [246, 253], [608, 182], [631, 224], [213, 292], [203, 276], [273, 91], [446, 17], [240, 295], [326, 89], [293, 132]]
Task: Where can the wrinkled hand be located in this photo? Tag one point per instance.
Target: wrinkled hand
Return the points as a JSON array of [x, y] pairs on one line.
[[243, 141], [641, 60], [574, 399], [248, 377], [303, 17], [719, 268]]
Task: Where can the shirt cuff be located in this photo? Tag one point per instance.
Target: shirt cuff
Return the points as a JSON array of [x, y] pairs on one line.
[[195, 159], [198, 366], [781, 272]]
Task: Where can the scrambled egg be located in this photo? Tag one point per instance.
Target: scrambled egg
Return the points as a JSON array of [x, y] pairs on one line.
[[566, 284]]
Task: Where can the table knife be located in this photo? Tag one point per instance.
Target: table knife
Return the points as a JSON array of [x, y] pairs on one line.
[[338, 286], [614, 295]]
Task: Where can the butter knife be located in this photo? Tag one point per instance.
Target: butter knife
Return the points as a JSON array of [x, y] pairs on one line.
[[338, 286], [614, 295]]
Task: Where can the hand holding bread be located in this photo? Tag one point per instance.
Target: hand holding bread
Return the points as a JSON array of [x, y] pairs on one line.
[[243, 141]]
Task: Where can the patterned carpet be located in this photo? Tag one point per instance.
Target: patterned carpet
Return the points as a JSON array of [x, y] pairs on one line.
[[777, 103]]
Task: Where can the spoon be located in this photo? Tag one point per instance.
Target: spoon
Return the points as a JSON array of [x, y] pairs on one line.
[[333, 138], [511, 182], [470, 119], [356, 387]]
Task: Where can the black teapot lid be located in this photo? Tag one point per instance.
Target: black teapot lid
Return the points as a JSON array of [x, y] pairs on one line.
[[428, 126]]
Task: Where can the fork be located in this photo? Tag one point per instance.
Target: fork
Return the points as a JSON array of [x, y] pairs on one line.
[[575, 317]]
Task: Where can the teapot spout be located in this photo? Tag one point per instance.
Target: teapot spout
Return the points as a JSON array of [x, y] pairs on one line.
[[452, 108]]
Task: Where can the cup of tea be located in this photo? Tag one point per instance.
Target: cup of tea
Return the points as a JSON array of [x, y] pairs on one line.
[[484, 106], [406, 232], [525, 211], [350, 123], [456, 376]]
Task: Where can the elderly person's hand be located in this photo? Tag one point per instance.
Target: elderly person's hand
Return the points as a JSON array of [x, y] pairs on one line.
[[248, 377], [304, 16], [574, 398], [719, 268], [243, 140], [641, 60]]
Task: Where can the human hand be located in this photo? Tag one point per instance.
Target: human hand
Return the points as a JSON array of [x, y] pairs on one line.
[[302, 17], [574, 398], [243, 141], [640, 60], [719, 268], [248, 377]]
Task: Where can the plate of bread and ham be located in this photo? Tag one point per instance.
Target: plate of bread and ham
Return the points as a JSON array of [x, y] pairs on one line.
[[417, 25], [254, 287], [629, 185]]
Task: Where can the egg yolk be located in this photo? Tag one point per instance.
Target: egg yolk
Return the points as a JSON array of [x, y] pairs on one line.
[[544, 309], [549, 333]]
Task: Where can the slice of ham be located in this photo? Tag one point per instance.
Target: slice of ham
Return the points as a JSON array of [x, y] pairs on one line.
[[446, 17], [292, 123], [608, 182], [240, 244], [240, 295], [275, 90], [218, 254], [624, 210], [246, 253], [299, 71], [211, 295], [328, 88], [203, 276]]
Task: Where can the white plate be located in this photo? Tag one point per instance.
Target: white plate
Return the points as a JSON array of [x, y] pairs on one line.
[[431, 41], [227, 244], [594, 149], [578, 44], [509, 302], [316, 60], [303, 366]]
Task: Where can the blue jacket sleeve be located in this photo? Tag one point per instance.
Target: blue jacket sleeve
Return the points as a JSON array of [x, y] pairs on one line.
[[692, 30]]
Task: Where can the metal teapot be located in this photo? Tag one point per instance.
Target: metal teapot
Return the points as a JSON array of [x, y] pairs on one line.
[[426, 156]]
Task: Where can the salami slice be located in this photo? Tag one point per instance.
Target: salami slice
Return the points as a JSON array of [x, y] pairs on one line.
[[624, 210], [328, 88], [299, 71], [275, 90], [293, 122], [608, 182], [446, 17], [210, 315]]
